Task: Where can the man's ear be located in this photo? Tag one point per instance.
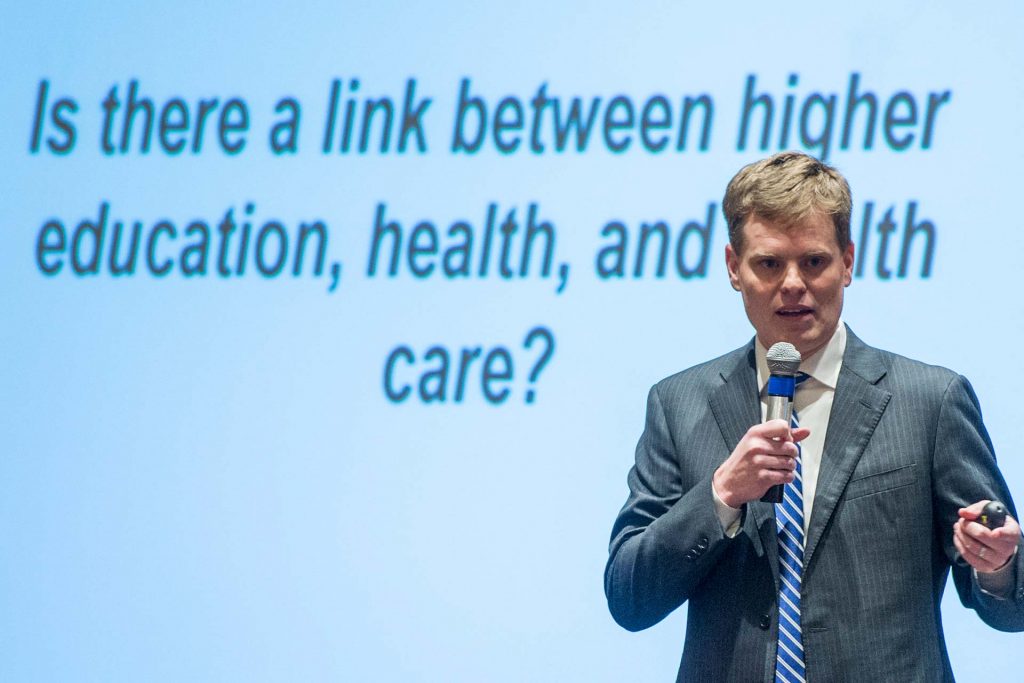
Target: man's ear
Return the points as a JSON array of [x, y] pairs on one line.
[[848, 265], [732, 264]]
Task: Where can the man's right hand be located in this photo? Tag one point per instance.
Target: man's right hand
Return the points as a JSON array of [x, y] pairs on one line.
[[764, 457]]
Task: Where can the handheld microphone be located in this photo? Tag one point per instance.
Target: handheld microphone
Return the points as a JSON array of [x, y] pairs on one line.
[[783, 364]]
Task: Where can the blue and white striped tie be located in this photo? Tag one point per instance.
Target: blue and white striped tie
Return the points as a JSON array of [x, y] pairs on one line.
[[789, 517]]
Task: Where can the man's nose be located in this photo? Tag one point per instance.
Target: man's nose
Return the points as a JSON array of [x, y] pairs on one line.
[[793, 280]]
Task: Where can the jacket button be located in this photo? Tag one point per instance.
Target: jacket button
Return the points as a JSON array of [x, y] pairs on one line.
[[1020, 594], [765, 623], [691, 554], [703, 544]]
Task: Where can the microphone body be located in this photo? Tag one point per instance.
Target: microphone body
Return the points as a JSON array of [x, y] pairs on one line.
[[780, 407], [783, 364]]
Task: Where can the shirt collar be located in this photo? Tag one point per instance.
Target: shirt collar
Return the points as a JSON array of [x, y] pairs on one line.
[[823, 365]]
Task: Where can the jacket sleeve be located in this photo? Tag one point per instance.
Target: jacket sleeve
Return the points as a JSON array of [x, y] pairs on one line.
[[667, 536], [964, 472]]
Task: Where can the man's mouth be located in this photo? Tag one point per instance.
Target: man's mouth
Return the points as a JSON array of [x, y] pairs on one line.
[[794, 312]]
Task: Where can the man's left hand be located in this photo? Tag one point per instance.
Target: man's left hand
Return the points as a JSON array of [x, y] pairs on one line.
[[984, 549]]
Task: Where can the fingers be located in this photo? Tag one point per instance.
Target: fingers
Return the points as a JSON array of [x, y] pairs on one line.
[[978, 555], [985, 549], [974, 555], [771, 476], [775, 461], [1002, 539], [765, 456], [772, 429], [973, 511], [779, 430], [786, 449], [772, 470], [1010, 529], [771, 449]]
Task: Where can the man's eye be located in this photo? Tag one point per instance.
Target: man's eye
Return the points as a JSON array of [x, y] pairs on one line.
[[816, 261], [769, 263]]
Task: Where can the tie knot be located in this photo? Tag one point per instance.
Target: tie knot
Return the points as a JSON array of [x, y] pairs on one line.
[[801, 377]]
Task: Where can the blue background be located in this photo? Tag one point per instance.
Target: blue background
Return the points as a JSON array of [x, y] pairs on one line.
[[201, 479]]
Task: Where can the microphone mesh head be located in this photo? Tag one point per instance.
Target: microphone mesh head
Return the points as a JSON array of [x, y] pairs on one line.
[[783, 359]]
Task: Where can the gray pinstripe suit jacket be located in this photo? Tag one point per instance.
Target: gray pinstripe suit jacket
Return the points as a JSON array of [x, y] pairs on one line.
[[905, 449]]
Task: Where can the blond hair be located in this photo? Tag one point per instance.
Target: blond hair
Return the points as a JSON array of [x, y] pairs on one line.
[[787, 188]]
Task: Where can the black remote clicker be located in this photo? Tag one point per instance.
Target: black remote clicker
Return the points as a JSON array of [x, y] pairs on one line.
[[993, 515]]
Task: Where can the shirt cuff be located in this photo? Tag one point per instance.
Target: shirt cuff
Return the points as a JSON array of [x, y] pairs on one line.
[[997, 584], [728, 517]]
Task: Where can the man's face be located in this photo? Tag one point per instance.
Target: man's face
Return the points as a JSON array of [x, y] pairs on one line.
[[792, 280]]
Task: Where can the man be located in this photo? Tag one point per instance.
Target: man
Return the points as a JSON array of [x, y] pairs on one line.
[[891, 460]]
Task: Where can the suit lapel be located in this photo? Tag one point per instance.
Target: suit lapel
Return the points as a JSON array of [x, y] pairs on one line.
[[857, 407], [736, 407], [734, 403]]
